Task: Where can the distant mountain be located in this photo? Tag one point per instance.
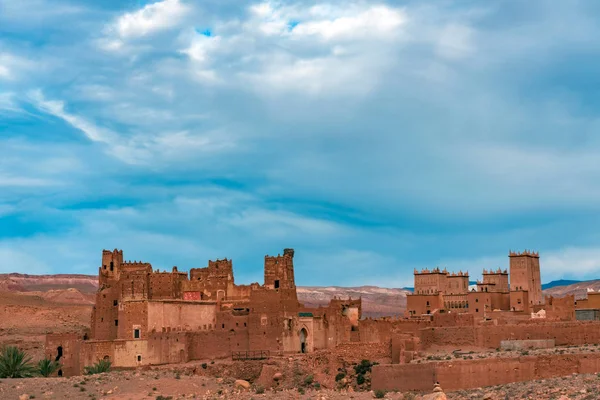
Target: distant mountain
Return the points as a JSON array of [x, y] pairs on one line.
[[579, 289], [560, 282]]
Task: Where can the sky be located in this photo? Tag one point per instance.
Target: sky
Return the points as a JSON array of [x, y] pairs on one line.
[[372, 137]]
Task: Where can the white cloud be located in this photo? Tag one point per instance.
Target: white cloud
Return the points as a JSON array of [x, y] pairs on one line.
[[12, 66], [57, 108], [374, 22], [152, 18]]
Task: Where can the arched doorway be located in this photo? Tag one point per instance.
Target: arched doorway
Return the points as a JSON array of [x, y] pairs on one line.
[[303, 337]]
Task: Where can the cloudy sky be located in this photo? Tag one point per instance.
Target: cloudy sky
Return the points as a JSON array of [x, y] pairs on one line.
[[373, 138]]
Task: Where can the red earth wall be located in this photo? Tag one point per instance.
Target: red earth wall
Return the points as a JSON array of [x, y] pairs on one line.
[[465, 374]]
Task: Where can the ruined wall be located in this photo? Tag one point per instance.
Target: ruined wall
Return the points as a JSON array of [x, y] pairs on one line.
[[181, 315], [466, 374], [279, 271], [64, 348]]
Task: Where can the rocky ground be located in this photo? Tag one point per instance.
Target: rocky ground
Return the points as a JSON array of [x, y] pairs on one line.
[[165, 384]]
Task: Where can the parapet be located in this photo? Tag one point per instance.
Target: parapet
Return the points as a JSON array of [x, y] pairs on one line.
[[526, 253], [496, 272]]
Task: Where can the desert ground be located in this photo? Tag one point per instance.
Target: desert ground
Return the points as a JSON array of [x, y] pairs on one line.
[[169, 383]]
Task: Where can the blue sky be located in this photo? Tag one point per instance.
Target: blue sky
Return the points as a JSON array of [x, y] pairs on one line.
[[373, 138]]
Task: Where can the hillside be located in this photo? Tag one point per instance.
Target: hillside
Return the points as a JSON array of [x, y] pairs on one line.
[[578, 289]]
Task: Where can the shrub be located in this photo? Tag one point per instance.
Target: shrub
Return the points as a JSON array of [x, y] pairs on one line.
[[340, 376], [259, 390], [160, 397], [360, 379], [204, 366], [317, 385], [15, 363], [309, 380], [379, 394], [98, 368], [301, 390], [363, 367], [47, 367]]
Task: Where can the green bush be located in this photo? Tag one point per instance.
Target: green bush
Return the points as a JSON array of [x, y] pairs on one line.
[[15, 363], [301, 390], [309, 380], [98, 368], [360, 379], [204, 366], [259, 390], [379, 394], [363, 367], [47, 367], [340, 376]]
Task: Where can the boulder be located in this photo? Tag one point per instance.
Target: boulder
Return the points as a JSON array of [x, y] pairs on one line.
[[277, 376], [240, 383]]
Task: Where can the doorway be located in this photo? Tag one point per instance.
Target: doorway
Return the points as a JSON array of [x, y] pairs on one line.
[[303, 336], [59, 351]]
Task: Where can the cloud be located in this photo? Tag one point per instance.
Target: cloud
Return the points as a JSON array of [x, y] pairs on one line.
[[362, 134], [13, 66], [57, 109], [152, 18]]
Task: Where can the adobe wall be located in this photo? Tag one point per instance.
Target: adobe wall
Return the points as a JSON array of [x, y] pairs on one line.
[[182, 315], [70, 345], [133, 315], [466, 374], [490, 336]]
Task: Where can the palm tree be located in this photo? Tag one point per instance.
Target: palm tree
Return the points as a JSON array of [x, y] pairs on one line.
[[46, 367], [15, 363]]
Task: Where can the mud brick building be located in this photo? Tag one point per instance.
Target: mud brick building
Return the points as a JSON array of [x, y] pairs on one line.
[[440, 290], [146, 317]]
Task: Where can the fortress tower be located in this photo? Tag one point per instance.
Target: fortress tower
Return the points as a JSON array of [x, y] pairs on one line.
[[525, 275], [279, 271]]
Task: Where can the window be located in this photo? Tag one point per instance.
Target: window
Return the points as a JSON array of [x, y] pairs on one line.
[[104, 266], [116, 322], [476, 300], [112, 266], [276, 284], [136, 334], [427, 303], [115, 302], [477, 310], [139, 358], [244, 324], [223, 326], [101, 319]]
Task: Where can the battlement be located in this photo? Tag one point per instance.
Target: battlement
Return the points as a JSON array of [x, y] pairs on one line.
[[525, 253], [435, 270], [496, 272], [441, 272]]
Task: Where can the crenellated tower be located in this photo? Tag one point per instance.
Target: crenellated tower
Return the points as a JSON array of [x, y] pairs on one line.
[[525, 275]]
